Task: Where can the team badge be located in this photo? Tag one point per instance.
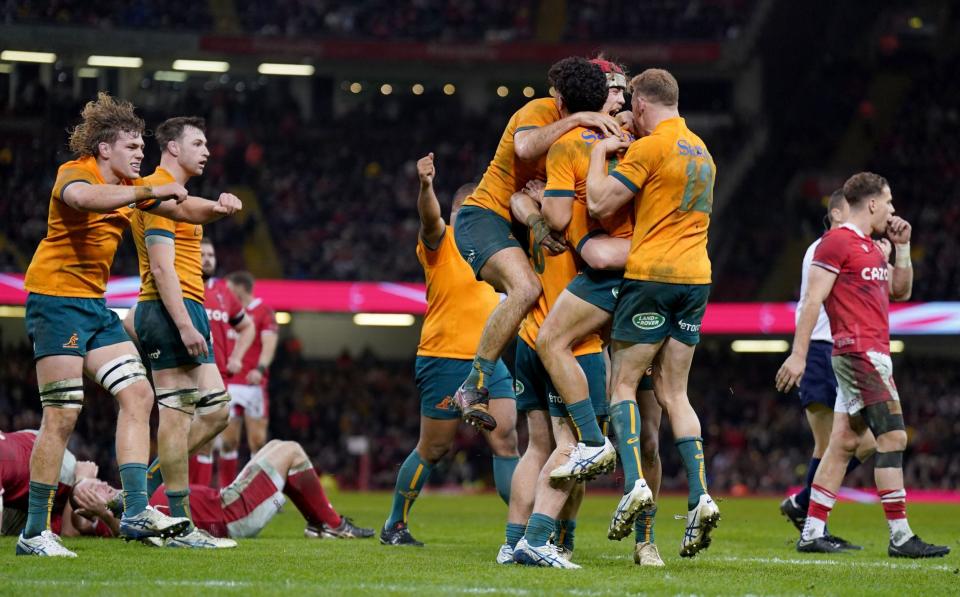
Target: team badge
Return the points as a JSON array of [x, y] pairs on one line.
[[72, 342]]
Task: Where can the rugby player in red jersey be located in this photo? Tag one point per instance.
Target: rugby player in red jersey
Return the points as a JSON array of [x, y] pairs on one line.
[[853, 280]]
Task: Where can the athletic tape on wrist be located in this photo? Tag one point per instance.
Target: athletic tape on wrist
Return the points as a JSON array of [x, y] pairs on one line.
[[65, 393], [120, 373], [902, 258]]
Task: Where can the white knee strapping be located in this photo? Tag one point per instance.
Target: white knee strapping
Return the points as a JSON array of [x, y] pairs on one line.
[[185, 399], [212, 401], [120, 373], [65, 393]]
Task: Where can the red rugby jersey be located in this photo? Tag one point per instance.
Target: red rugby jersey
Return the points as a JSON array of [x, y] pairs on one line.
[[224, 311]]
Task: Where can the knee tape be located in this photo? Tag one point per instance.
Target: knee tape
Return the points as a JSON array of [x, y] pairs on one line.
[[880, 420], [889, 460], [120, 373], [66, 393], [212, 401], [184, 400]]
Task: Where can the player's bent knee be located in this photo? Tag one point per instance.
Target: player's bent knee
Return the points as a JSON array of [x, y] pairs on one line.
[[892, 441], [122, 372], [432, 453], [183, 400], [64, 394]]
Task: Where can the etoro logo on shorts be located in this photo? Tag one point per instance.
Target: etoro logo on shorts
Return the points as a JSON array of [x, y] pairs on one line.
[[648, 321]]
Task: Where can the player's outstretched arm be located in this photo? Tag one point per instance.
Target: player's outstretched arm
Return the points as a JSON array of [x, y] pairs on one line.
[[531, 144], [432, 226], [605, 252], [197, 210], [901, 275], [104, 198], [268, 349], [820, 285], [161, 252], [605, 194]]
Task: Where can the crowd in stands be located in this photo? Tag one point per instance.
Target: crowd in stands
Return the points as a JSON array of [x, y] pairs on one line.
[[757, 440], [456, 21]]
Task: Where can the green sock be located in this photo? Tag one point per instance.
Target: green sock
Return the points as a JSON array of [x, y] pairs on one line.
[[514, 533], [39, 505], [413, 474], [643, 527], [585, 420], [481, 372], [539, 529], [154, 477], [626, 424], [133, 478], [565, 530], [503, 474], [691, 450], [179, 501]]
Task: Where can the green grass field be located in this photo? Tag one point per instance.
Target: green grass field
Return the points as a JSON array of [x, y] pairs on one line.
[[752, 553]]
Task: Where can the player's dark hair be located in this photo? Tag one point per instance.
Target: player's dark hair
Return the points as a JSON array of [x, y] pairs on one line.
[[102, 122], [862, 185], [172, 129], [581, 85], [242, 279]]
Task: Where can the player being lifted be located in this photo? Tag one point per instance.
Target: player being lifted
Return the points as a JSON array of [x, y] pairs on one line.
[[485, 240], [585, 307], [172, 326], [818, 387], [457, 304], [669, 175], [851, 277], [72, 331]]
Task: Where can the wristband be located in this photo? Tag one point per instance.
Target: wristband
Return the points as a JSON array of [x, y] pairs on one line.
[[903, 255]]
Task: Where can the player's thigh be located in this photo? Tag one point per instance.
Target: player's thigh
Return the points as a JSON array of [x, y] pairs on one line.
[[672, 370], [509, 270], [629, 364], [59, 367], [820, 419], [570, 320], [481, 234]]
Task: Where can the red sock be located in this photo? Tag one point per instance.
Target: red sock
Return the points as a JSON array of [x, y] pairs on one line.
[[307, 494], [226, 468], [201, 469]]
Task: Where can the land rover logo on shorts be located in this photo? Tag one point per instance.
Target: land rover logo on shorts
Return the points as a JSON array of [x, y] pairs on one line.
[[615, 291], [518, 386], [648, 321]]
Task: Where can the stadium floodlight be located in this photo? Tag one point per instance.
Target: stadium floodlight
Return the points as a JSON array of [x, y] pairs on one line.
[[760, 346], [529, 92], [202, 66], [449, 89], [115, 61], [283, 317], [384, 319], [356, 87], [288, 70], [897, 346], [5, 69], [503, 91], [86, 72], [169, 76], [386, 89], [417, 89], [22, 56]]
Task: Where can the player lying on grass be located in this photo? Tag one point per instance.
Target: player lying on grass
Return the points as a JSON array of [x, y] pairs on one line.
[[242, 509], [853, 280]]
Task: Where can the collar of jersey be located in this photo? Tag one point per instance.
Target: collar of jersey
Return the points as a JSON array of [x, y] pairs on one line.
[[854, 228]]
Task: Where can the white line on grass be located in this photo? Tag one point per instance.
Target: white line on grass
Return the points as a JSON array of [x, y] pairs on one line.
[[840, 561]]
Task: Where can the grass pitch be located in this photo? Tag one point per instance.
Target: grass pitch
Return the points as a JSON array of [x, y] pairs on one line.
[[752, 553]]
